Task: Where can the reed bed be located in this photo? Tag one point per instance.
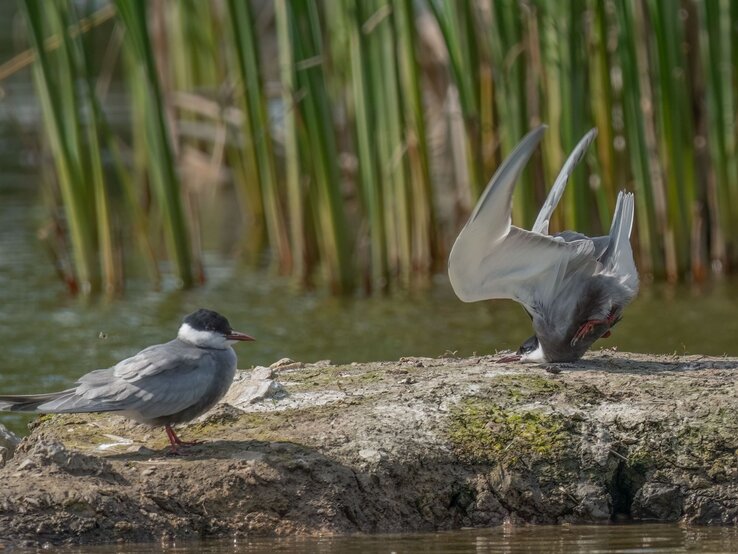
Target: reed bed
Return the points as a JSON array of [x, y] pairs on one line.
[[357, 134], [70, 114]]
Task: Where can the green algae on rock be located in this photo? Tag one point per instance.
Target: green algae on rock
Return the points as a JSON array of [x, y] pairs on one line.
[[483, 431]]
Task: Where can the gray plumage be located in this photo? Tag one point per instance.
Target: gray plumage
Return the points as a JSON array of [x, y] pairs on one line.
[[573, 287], [163, 384]]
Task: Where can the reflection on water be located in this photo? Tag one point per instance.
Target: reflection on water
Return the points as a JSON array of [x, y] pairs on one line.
[[566, 539], [48, 339]]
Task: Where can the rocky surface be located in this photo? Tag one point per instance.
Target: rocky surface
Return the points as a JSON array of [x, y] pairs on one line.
[[415, 445], [8, 442]]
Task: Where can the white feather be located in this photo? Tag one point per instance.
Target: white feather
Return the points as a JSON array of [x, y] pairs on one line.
[[203, 339], [536, 356]]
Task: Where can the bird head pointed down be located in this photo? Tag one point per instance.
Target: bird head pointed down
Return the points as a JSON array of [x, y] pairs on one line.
[[209, 329], [531, 351], [574, 287]]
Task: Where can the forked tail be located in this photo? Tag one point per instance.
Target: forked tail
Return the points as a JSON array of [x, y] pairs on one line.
[[28, 402], [619, 257]]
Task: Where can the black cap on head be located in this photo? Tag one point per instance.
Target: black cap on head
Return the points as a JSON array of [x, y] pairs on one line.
[[208, 320], [528, 346]]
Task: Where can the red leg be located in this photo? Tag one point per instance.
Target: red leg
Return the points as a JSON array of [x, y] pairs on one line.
[[175, 441], [612, 319], [173, 438], [586, 328]]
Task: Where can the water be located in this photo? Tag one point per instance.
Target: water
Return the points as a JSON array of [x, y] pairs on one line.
[[565, 539], [48, 339]]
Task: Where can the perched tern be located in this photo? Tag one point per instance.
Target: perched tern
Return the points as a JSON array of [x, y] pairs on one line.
[[163, 384]]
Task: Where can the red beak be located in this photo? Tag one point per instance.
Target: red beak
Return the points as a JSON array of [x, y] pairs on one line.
[[235, 335]]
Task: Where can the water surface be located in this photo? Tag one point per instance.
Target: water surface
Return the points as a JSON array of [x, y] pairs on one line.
[[565, 539]]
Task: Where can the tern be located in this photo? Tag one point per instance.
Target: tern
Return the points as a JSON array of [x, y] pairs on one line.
[[573, 287], [164, 384]]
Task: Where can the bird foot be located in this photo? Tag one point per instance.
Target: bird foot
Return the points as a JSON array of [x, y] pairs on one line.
[[175, 441], [587, 327], [188, 443]]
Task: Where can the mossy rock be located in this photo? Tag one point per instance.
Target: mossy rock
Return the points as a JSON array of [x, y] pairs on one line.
[[482, 431]]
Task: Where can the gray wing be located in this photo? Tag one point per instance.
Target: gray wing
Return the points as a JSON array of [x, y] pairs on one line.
[[600, 243], [557, 190], [492, 211], [493, 259], [160, 380]]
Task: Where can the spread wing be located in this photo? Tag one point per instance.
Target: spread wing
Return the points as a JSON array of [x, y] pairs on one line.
[[492, 258], [557, 190]]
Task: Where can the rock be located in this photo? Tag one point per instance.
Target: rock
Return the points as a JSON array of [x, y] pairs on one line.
[[250, 388], [8, 442], [286, 363], [594, 504], [370, 455], [53, 454], [658, 502], [248, 392], [259, 373], [470, 443], [140, 449], [221, 414]]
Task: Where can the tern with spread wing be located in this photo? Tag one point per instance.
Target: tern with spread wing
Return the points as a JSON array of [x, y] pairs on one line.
[[163, 384], [573, 287]]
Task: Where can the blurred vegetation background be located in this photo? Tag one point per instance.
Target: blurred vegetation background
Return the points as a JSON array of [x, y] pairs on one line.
[[356, 135]]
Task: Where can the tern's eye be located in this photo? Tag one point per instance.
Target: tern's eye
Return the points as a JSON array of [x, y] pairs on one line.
[[529, 345]]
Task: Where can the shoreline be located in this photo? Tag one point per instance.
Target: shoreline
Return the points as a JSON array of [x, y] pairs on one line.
[[418, 444]]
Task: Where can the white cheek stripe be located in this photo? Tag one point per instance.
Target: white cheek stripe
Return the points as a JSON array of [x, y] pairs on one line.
[[207, 339], [536, 356]]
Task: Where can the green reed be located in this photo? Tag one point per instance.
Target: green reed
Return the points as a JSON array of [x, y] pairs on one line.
[[70, 119], [257, 127], [159, 157], [343, 185]]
